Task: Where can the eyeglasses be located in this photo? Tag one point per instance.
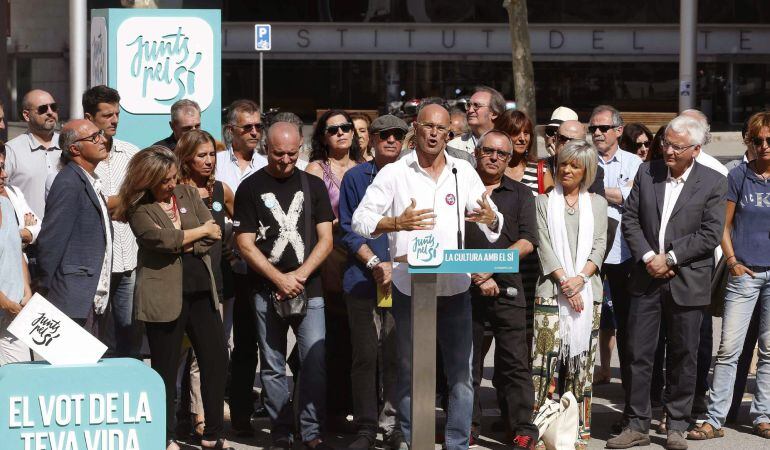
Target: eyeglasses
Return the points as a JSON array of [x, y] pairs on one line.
[[677, 148], [551, 131], [487, 152], [249, 127], [93, 138], [42, 109], [474, 105], [758, 141], [434, 126], [639, 145], [563, 139], [345, 127], [603, 128], [396, 133]]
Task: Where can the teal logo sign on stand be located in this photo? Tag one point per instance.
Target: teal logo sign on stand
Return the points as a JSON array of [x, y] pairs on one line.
[[426, 255], [117, 404]]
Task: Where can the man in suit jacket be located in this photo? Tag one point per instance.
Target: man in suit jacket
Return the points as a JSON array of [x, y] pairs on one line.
[[75, 242], [673, 220]]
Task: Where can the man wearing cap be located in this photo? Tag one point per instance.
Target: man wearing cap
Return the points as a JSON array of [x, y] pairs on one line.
[[567, 131], [366, 286], [485, 105], [560, 115]]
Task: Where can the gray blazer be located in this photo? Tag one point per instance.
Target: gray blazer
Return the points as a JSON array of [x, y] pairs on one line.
[[72, 243], [158, 290], [693, 231], [546, 285]]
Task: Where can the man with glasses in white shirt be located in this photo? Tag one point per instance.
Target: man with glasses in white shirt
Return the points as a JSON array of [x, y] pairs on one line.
[[423, 189], [485, 105]]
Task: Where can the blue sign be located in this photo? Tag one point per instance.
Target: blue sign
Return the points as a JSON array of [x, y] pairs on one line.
[[473, 261], [262, 37], [117, 404]]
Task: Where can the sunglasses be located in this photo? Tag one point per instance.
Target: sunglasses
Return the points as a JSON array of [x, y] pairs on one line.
[[345, 127], [562, 138], [758, 141], [487, 152], [396, 133], [603, 128], [249, 127], [93, 138], [42, 109], [639, 145], [551, 131]]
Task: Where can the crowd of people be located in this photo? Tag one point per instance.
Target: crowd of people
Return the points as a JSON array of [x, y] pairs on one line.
[[211, 251]]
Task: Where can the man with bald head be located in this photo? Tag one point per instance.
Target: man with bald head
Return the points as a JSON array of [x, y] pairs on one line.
[[429, 190], [32, 156], [283, 228], [75, 242]]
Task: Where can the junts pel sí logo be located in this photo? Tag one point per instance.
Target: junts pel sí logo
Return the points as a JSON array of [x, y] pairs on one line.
[[44, 330]]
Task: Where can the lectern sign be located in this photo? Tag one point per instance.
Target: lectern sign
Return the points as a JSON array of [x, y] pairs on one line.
[[426, 255]]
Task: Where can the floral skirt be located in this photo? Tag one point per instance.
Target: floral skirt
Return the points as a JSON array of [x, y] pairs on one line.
[[550, 377]]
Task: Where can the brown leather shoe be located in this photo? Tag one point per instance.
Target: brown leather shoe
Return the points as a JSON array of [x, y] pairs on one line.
[[629, 438], [762, 430]]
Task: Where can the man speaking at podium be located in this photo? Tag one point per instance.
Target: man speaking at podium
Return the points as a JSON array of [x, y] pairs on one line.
[[427, 190]]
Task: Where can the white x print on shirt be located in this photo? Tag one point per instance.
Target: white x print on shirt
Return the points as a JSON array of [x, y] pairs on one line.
[[287, 223]]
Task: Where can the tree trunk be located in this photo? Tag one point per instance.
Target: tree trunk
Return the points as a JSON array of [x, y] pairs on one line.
[[523, 73]]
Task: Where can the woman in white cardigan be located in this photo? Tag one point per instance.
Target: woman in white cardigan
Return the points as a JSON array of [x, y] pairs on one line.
[[572, 231]]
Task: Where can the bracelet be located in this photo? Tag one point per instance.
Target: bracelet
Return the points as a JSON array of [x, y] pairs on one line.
[[728, 258], [563, 279], [736, 263]]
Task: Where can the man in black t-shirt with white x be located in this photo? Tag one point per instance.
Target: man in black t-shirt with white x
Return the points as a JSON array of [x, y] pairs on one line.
[[283, 255]]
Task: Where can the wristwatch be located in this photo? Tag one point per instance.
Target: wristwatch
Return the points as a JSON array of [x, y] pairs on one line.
[[373, 261], [495, 223], [585, 278], [670, 260]]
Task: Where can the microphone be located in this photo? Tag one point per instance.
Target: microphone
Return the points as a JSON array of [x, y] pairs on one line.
[[457, 205]]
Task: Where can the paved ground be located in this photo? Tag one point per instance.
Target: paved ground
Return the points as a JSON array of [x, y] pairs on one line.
[[606, 407]]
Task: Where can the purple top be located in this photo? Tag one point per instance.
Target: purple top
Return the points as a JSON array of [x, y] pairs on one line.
[[332, 187]]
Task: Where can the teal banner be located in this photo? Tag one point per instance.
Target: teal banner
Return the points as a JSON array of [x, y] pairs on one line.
[[473, 261], [117, 404]]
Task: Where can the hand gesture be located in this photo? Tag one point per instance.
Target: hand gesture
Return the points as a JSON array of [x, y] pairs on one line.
[[739, 269], [572, 286], [10, 307], [483, 214], [212, 230], [657, 267], [29, 219], [489, 288], [415, 219], [382, 273], [576, 302], [288, 285], [478, 278]]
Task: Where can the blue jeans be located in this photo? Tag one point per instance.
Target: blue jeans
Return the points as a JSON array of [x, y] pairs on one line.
[[311, 394], [455, 338], [128, 342], [741, 295]]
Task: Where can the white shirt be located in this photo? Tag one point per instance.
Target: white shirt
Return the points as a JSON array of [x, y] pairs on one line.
[[711, 162], [21, 208], [674, 187], [618, 171], [229, 172], [111, 172], [391, 193], [103, 287], [465, 142]]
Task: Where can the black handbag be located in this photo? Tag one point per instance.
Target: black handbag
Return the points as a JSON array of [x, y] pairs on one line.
[[296, 307]]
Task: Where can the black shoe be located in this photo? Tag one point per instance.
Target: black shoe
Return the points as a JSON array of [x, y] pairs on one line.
[[320, 446], [395, 440], [220, 445], [261, 411], [242, 427], [362, 442], [283, 443]]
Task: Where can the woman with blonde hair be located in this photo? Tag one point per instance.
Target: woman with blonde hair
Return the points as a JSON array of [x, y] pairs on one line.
[[175, 289], [572, 235]]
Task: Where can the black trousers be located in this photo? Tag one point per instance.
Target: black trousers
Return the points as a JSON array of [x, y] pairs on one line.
[[203, 326], [618, 277], [339, 357], [512, 377], [245, 354], [683, 335]]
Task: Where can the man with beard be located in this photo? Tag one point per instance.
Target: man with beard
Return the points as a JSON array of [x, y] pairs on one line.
[[32, 156]]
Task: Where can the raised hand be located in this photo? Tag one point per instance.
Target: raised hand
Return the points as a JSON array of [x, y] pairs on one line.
[[483, 214], [415, 219]]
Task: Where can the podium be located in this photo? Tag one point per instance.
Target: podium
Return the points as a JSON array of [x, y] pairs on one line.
[[117, 404], [426, 262]]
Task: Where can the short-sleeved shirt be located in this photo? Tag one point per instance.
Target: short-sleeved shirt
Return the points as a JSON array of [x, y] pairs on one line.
[[274, 209], [751, 223], [28, 163]]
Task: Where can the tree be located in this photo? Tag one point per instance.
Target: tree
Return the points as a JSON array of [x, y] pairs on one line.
[[523, 72]]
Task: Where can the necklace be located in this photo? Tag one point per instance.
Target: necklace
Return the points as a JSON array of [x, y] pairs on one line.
[[571, 207], [171, 210]]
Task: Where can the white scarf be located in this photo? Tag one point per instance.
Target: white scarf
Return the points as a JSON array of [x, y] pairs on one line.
[[574, 327]]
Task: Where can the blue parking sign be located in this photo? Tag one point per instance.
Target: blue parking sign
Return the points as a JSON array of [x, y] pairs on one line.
[[262, 37]]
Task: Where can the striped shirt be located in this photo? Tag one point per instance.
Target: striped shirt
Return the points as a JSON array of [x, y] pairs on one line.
[[111, 172], [529, 266]]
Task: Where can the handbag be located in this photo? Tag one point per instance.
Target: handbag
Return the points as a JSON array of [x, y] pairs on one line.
[[296, 307], [557, 423]]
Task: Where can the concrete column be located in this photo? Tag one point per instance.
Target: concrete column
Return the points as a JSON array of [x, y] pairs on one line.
[[78, 55], [5, 99], [688, 50]]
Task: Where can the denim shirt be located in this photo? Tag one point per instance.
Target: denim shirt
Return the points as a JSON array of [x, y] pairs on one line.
[[358, 280]]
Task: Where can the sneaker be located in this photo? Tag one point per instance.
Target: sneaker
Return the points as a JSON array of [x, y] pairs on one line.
[[524, 441], [362, 442], [474, 438], [629, 438]]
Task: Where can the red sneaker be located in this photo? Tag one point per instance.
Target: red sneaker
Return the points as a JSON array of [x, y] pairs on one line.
[[524, 441]]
